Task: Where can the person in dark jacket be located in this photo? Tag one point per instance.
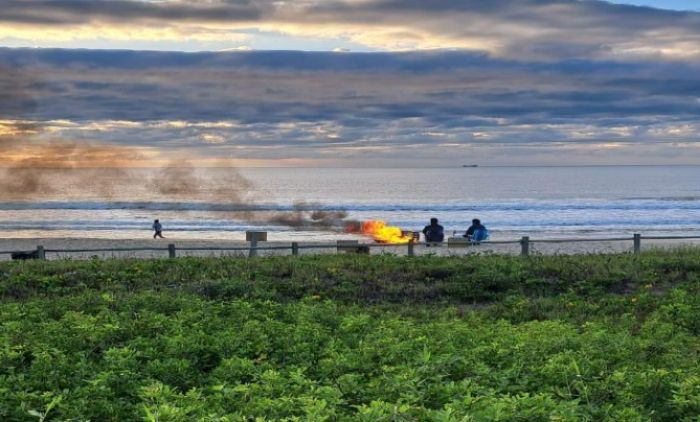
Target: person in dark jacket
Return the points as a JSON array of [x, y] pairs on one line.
[[434, 233], [477, 231], [158, 229]]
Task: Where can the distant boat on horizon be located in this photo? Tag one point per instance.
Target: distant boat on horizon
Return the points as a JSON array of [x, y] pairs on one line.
[[470, 165]]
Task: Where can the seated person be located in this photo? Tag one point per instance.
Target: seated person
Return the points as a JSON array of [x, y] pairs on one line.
[[477, 231], [434, 233]]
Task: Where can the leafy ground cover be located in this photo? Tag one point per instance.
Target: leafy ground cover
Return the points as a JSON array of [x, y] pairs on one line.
[[599, 337]]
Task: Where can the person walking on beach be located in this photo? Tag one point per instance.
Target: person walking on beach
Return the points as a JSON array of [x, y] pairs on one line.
[[158, 228], [434, 233]]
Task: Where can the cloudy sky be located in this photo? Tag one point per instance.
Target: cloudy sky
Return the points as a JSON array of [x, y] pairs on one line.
[[350, 83]]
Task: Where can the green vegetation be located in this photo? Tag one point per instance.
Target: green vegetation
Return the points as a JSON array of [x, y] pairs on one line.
[[607, 337]]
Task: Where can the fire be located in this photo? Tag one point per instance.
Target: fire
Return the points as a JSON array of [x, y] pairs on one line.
[[383, 233]]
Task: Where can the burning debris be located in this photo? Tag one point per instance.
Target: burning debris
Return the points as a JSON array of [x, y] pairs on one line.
[[380, 232]]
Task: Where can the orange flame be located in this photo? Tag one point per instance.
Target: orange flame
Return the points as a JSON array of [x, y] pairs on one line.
[[382, 233]]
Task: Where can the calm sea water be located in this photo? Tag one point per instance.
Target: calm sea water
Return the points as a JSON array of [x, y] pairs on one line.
[[543, 202]]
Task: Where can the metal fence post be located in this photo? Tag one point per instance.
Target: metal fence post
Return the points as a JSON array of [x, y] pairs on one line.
[[525, 246], [295, 248], [637, 243], [411, 251], [171, 250], [40, 252]]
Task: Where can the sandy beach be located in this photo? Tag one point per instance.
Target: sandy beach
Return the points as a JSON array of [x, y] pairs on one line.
[[57, 248]]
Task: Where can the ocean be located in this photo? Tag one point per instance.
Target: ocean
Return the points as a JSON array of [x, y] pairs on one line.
[[541, 202]]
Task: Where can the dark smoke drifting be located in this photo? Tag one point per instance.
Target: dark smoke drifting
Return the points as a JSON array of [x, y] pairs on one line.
[[180, 179], [305, 216], [42, 169]]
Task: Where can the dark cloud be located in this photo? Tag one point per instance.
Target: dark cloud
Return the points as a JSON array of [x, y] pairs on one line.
[[278, 87], [551, 29], [15, 85], [529, 28], [301, 105], [64, 12]]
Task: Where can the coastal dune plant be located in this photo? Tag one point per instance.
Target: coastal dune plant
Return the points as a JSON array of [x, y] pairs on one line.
[[352, 338]]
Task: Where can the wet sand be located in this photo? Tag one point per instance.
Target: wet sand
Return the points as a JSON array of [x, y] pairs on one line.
[[52, 247]]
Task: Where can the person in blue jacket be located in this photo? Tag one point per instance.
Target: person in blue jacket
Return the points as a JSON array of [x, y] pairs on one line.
[[477, 231]]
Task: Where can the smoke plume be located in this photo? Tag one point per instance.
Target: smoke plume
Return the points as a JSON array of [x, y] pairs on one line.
[[180, 179], [305, 216]]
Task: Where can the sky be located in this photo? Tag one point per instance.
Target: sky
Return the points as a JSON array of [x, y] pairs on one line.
[[665, 4], [372, 83]]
